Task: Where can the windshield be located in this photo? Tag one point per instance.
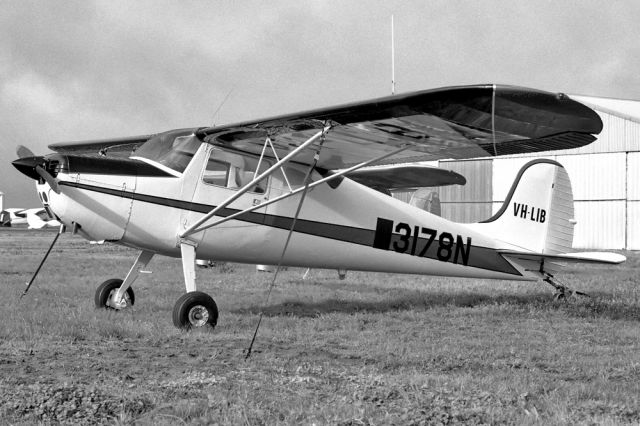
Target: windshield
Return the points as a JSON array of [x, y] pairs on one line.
[[172, 149]]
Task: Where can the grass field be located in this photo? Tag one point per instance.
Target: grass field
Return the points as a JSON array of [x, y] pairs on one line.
[[372, 349]]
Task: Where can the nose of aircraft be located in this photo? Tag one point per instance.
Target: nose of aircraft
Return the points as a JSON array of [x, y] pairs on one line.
[[27, 166], [37, 168]]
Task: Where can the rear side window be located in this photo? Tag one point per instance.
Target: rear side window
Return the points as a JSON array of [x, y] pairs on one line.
[[216, 173], [234, 170]]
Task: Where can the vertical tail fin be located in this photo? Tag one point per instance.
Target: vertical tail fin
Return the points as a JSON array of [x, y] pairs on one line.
[[537, 214]]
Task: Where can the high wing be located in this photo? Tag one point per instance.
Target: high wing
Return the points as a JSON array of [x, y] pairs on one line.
[[393, 177], [455, 122]]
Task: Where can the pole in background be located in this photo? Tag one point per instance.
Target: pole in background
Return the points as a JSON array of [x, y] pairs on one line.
[[393, 65]]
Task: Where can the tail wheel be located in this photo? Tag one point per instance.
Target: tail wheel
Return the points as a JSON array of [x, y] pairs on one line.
[[106, 291], [195, 309]]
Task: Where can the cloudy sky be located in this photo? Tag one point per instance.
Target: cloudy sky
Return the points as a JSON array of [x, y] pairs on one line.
[[78, 70]]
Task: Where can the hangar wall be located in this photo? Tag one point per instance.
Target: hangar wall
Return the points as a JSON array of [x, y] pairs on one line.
[[605, 177]]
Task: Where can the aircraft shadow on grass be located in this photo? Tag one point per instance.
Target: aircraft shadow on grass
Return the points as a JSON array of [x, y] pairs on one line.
[[596, 306]]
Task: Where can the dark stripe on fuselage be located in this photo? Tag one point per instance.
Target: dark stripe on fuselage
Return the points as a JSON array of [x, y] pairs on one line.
[[481, 257], [321, 229]]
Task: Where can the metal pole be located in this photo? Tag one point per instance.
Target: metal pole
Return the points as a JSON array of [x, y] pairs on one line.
[[307, 177], [60, 231], [393, 61]]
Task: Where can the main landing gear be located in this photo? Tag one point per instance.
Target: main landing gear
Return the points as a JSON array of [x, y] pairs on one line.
[[193, 309], [562, 291]]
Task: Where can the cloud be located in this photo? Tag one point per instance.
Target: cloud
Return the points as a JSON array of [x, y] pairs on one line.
[[77, 70], [30, 92]]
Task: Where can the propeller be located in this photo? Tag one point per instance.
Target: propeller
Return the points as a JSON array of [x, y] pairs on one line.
[[28, 163], [53, 183], [23, 152]]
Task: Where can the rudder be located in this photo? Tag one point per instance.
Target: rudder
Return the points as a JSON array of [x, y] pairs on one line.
[[537, 214]]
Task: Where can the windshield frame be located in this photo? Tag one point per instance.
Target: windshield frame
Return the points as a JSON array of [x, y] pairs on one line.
[[170, 151]]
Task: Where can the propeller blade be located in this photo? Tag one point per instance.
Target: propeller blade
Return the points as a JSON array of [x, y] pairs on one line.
[[23, 152], [53, 183]]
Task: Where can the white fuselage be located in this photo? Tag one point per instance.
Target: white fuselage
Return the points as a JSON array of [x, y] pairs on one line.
[[347, 227]]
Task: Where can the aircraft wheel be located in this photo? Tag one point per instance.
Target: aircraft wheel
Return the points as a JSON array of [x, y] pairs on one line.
[[107, 289], [195, 309], [559, 296]]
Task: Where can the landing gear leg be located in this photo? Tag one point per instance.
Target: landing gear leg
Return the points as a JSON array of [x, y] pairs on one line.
[[342, 274], [562, 291], [194, 308], [118, 294], [188, 252]]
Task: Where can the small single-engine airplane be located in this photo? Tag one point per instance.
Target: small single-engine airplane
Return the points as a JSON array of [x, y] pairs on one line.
[[5, 218], [35, 218], [14, 216], [278, 191], [39, 218]]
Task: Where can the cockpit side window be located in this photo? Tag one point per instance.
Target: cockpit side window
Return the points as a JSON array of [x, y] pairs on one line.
[[234, 170]]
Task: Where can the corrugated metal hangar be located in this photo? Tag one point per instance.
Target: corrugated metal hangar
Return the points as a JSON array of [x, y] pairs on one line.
[[605, 176]]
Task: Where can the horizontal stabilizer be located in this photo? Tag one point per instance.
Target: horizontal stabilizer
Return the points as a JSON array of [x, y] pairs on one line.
[[406, 176], [585, 257]]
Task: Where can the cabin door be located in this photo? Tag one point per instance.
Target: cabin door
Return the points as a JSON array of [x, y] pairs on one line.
[[223, 174]]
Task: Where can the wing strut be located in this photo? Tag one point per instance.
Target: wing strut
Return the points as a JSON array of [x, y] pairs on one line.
[[307, 178], [194, 228], [275, 154], [303, 188]]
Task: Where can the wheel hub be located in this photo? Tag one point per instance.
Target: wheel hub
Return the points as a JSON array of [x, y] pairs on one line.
[[198, 316], [118, 304]]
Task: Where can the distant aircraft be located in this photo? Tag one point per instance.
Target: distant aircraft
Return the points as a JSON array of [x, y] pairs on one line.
[[39, 218], [5, 218], [35, 218], [279, 191], [14, 216]]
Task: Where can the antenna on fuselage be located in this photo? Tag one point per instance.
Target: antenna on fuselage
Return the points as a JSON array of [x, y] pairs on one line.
[[393, 62], [215, 113]]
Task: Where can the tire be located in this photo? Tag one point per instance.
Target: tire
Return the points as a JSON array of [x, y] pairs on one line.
[[194, 310], [106, 289]]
